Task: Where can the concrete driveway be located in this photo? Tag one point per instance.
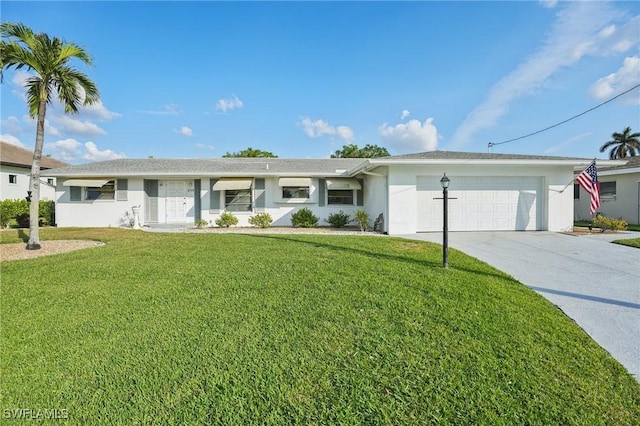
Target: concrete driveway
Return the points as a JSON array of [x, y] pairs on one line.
[[594, 282]]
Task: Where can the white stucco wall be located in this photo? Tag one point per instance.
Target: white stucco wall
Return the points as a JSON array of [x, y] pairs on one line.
[[625, 205], [111, 213], [18, 190], [556, 213], [97, 213], [280, 209]]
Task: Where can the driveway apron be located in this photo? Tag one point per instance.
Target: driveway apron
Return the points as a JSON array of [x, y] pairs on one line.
[[594, 282]]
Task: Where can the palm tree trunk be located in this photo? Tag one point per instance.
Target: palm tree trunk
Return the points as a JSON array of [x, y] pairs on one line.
[[34, 181]]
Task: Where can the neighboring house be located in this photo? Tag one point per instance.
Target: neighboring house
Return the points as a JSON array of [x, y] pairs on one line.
[[619, 192], [487, 191], [15, 171]]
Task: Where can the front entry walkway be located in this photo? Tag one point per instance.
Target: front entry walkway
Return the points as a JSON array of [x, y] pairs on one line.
[[594, 282]]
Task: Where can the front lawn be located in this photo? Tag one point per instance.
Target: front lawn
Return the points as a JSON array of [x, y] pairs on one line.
[[631, 242], [292, 329]]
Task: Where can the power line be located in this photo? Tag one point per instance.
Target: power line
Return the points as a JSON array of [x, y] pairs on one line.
[[491, 144]]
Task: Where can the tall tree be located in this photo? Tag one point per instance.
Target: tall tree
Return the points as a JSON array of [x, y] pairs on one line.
[[250, 152], [623, 145], [48, 58], [368, 151]]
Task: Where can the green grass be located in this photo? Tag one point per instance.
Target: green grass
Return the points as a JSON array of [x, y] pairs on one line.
[[631, 242], [292, 329]]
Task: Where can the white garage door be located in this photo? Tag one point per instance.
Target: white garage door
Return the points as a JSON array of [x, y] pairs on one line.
[[481, 204]]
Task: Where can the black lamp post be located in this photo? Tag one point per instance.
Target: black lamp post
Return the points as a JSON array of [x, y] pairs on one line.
[[445, 226]]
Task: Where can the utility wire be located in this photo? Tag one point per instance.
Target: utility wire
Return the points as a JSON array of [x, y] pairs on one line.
[[491, 144]]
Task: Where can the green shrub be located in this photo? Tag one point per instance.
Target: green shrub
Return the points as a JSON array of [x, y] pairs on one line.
[[304, 218], [338, 220], [608, 223], [362, 218], [201, 223], [226, 220], [11, 209], [47, 212], [261, 220]]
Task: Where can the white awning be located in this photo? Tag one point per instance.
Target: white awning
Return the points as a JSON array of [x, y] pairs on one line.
[[343, 184], [93, 183], [224, 184], [294, 182]]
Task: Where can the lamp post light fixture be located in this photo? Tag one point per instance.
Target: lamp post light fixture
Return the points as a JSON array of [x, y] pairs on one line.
[[445, 216]]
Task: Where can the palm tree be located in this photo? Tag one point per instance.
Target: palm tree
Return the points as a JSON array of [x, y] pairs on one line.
[[48, 58], [625, 144]]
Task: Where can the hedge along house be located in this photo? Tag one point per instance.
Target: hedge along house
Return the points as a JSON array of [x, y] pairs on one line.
[[488, 191]]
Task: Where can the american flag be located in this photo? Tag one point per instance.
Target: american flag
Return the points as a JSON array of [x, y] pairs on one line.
[[588, 180]]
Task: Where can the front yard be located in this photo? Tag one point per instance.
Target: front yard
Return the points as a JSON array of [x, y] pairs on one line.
[[292, 329]]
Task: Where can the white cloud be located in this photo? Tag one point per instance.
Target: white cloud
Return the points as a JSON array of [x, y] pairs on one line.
[[229, 104], [405, 113], [317, 128], [64, 149], [8, 138], [624, 78], [169, 109], [203, 146], [11, 124], [77, 127], [412, 136], [581, 28], [94, 154], [71, 150], [99, 111], [186, 131], [566, 143], [549, 4]]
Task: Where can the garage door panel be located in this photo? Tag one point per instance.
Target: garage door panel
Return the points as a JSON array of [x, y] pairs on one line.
[[481, 203]]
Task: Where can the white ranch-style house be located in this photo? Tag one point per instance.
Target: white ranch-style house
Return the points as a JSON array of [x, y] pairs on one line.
[[487, 191]]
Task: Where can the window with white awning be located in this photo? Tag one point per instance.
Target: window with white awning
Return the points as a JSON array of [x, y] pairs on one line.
[[295, 187], [232, 184], [343, 184], [93, 183]]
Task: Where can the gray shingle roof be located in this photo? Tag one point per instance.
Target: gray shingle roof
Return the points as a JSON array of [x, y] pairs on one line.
[[212, 167], [454, 155], [632, 163]]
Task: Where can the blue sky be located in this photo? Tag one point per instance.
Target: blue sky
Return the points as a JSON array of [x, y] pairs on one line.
[[302, 79]]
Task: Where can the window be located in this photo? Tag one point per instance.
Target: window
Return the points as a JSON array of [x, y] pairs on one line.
[[237, 200], [340, 196], [13, 178], [50, 181], [295, 192], [576, 191], [607, 190], [105, 192]]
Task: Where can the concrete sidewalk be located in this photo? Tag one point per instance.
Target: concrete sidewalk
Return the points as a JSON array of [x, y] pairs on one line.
[[594, 282]]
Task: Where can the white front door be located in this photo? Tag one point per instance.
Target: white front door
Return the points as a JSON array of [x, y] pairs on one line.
[[178, 201]]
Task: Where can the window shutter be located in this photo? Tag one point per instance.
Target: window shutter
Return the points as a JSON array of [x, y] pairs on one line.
[[123, 186], [214, 196], [75, 193], [260, 194], [360, 193], [322, 191], [197, 200]]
